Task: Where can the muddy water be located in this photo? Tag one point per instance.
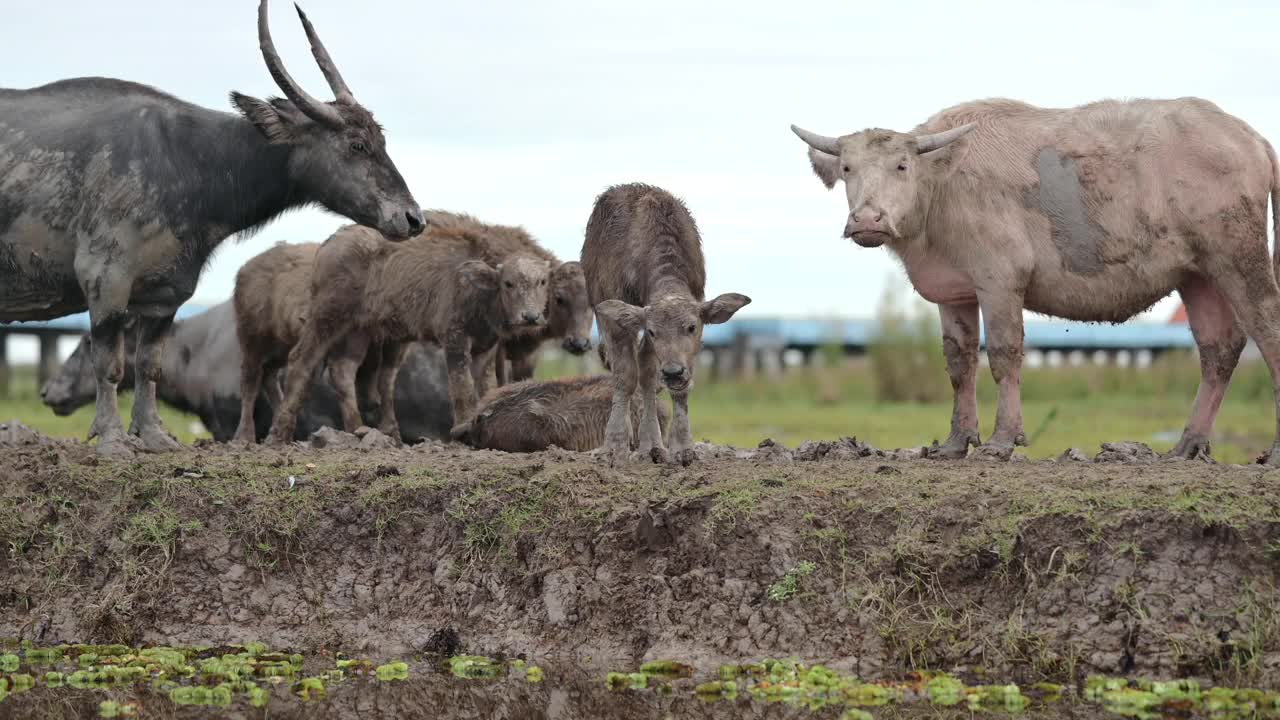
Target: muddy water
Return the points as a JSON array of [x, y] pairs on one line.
[[429, 690], [562, 696]]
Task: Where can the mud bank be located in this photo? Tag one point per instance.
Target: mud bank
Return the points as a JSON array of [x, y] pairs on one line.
[[867, 562]]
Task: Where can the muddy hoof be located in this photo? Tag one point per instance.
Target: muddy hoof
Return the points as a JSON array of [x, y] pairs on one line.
[[656, 455], [949, 451], [1270, 458], [122, 446], [155, 439], [1190, 451], [989, 451]]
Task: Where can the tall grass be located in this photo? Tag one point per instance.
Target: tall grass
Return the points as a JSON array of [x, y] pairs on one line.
[[906, 353]]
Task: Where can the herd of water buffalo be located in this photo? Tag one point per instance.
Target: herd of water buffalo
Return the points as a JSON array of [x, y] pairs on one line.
[[113, 195]]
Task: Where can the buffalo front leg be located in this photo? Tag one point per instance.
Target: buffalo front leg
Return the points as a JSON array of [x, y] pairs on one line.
[[462, 390], [960, 348], [482, 365], [146, 424], [303, 360], [1002, 317], [107, 347], [681, 434], [1219, 342], [649, 434], [623, 363]]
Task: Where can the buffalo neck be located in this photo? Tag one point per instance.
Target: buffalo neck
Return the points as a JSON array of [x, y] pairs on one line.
[[248, 181]]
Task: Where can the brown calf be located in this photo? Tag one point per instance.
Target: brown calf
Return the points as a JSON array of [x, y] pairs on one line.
[[645, 272], [570, 413], [569, 312], [432, 288]]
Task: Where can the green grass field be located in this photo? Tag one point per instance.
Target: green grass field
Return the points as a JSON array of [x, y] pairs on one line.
[[1068, 407]]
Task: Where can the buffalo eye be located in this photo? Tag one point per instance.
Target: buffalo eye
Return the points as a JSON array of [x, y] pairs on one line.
[[690, 329], [902, 167], [510, 284], [543, 281], [560, 300], [358, 147], [846, 168]]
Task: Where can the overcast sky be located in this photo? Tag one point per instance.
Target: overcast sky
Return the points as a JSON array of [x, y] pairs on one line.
[[523, 112]]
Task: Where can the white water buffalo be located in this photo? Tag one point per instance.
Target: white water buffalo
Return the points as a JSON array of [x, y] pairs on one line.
[[1091, 213], [113, 196]]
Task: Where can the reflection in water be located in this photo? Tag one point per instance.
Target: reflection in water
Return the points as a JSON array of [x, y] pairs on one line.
[[571, 695]]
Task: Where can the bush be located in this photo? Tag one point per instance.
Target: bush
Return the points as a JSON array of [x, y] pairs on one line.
[[907, 364]]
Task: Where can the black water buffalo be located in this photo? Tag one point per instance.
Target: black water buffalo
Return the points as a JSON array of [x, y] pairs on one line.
[[113, 196], [201, 375]]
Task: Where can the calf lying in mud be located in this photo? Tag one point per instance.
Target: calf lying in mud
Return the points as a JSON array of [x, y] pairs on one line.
[[570, 413], [432, 288], [645, 273], [200, 375], [569, 314]]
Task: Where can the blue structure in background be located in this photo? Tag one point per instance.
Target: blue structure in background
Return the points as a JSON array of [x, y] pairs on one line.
[[805, 334]]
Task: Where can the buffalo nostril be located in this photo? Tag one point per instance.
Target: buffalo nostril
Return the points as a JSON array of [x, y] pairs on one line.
[[531, 318], [879, 217], [672, 371], [415, 221]]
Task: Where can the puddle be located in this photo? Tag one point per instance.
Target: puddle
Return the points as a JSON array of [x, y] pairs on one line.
[[252, 681]]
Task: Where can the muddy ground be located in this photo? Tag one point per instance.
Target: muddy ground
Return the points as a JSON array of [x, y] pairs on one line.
[[870, 562]]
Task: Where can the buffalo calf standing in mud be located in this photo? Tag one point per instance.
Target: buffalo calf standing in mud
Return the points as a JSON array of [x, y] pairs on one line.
[[113, 196], [645, 274], [569, 314], [368, 292], [1090, 213], [569, 413]]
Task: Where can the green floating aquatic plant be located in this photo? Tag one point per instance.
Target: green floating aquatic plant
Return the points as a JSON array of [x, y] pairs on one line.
[[112, 709], [533, 674], [666, 669], [392, 671], [8, 663], [217, 696], [309, 687], [474, 667]]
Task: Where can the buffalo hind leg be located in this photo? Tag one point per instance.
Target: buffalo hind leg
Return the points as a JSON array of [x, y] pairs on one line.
[[146, 424], [1248, 281], [344, 364], [1002, 317], [1219, 342], [393, 355], [960, 347], [252, 371]]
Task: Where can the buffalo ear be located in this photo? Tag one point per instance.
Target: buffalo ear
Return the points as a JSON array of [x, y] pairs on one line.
[[276, 120], [826, 167], [478, 275], [720, 309], [621, 315]]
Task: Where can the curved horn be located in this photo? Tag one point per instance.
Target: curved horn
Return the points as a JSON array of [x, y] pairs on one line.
[[821, 143], [927, 143], [341, 92], [313, 108]]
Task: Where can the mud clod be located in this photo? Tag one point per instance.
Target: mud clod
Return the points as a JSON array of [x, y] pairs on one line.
[[327, 437], [1073, 455], [846, 448], [1127, 452], [15, 434]]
